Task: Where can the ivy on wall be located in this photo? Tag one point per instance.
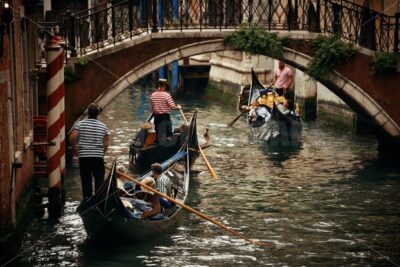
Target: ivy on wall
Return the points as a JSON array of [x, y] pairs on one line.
[[384, 62], [327, 52], [257, 40]]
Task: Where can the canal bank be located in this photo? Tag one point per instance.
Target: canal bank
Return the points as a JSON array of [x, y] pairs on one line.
[[13, 234]]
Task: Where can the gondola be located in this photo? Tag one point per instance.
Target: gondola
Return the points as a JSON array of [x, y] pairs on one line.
[[107, 218], [279, 129], [145, 150]]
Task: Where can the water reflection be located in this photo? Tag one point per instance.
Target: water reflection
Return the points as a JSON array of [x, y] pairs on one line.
[[329, 202]]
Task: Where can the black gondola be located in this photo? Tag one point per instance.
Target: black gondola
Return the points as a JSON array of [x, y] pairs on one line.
[[105, 216], [144, 150], [278, 129]]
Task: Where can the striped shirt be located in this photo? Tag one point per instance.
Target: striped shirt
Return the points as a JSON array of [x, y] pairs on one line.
[[91, 138], [164, 185], [161, 102]]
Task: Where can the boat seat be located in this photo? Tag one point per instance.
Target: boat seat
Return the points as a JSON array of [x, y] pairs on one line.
[[150, 139], [157, 217]]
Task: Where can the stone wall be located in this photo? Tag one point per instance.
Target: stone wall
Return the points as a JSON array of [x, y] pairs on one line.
[[230, 74], [306, 95], [333, 111]]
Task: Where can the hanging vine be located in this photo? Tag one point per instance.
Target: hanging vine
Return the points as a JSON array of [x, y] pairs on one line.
[[327, 52], [384, 62], [257, 40]]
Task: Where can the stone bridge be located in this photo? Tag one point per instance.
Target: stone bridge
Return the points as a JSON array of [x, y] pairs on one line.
[[115, 61], [111, 70]]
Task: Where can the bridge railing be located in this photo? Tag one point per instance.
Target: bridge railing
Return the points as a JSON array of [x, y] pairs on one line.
[[107, 24]]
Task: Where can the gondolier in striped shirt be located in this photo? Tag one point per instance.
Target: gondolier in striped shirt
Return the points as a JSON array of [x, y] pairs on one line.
[[161, 105], [89, 140]]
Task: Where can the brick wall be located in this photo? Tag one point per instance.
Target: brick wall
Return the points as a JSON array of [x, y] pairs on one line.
[[16, 126]]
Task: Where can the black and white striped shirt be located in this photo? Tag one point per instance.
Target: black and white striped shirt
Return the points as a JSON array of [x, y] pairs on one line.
[[91, 138], [164, 185]]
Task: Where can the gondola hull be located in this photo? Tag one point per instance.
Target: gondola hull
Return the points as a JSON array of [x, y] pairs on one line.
[[279, 129], [142, 158], [107, 218], [145, 157], [115, 227]]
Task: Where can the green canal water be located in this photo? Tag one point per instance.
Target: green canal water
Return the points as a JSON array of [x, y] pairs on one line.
[[330, 202]]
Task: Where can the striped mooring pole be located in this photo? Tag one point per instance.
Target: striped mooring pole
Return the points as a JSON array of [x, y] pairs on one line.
[[55, 123], [62, 118]]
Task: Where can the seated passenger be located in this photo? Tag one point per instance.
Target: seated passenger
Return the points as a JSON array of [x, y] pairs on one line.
[[181, 129], [263, 113], [282, 104], [151, 198], [252, 112], [298, 110], [257, 112], [266, 100], [163, 183], [146, 135]]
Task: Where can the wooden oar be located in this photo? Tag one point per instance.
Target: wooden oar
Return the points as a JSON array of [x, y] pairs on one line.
[[210, 169], [238, 116], [190, 209]]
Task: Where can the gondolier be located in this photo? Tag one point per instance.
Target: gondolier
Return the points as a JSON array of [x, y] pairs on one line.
[[161, 105], [89, 140], [283, 79]]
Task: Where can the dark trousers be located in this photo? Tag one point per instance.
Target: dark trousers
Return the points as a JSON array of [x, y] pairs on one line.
[[163, 126], [88, 168]]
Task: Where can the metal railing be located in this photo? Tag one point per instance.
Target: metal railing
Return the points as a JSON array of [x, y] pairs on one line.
[[108, 24]]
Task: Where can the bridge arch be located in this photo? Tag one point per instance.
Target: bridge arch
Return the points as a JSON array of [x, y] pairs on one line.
[[342, 86], [155, 63]]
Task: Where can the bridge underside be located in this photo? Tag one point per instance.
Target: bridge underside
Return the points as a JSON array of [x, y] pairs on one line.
[[110, 71]]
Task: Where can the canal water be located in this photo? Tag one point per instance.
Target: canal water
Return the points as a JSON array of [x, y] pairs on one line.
[[330, 202]]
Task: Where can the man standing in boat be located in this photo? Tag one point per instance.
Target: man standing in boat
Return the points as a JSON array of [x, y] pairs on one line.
[[283, 78], [161, 105], [89, 140]]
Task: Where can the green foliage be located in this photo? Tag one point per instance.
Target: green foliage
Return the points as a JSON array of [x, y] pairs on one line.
[[256, 40], [384, 62], [81, 61], [328, 51], [68, 74]]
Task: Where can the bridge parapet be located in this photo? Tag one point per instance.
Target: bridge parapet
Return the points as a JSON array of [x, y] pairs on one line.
[[109, 24]]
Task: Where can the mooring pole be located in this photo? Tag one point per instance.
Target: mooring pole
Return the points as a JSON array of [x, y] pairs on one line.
[[61, 89], [54, 52]]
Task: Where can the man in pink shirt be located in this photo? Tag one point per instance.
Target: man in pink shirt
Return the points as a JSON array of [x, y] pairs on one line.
[[161, 105], [283, 77]]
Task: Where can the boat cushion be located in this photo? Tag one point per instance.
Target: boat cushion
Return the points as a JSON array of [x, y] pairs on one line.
[[157, 217]]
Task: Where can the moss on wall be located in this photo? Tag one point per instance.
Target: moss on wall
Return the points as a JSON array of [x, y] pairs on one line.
[[222, 92], [338, 120]]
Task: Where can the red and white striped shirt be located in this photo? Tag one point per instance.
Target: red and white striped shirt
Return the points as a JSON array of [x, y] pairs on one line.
[[161, 102]]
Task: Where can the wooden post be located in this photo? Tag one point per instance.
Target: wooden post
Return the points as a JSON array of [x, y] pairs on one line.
[[54, 52]]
